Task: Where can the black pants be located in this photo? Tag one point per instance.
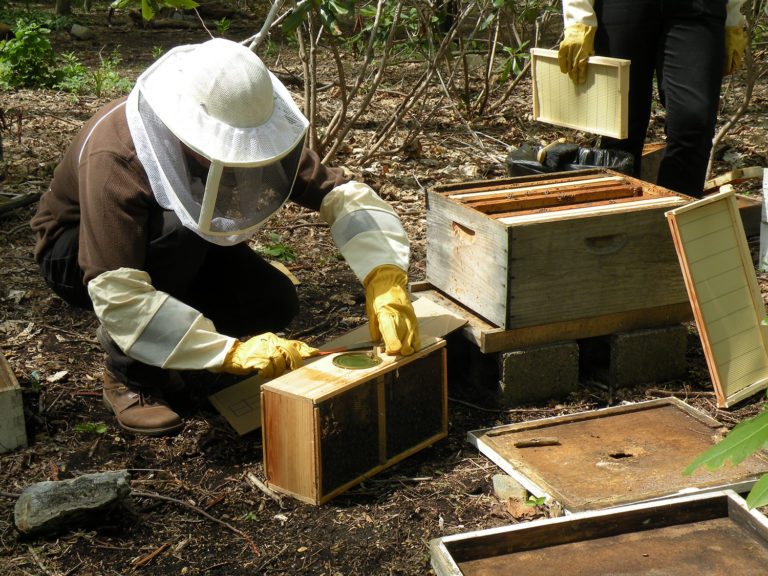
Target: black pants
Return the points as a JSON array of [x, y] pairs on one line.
[[683, 42], [232, 286]]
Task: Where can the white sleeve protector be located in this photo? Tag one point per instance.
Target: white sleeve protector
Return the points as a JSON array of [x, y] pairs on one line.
[[153, 327], [582, 12], [579, 12], [734, 16], [365, 228]]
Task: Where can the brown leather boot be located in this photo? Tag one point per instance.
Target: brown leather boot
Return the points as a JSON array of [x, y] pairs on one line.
[[139, 412]]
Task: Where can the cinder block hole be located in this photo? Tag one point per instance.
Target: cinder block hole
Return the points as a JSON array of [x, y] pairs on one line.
[[594, 358]]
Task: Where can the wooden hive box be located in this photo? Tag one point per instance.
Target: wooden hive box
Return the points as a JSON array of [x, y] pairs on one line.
[[13, 432], [538, 250], [327, 428], [600, 105], [702, 534]]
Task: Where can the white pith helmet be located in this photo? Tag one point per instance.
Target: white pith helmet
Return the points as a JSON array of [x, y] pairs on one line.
[[220, 100]]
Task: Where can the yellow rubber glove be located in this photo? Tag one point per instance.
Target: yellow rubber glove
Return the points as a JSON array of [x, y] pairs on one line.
[[390, 312], [578, 44], [735, 43], [267, 353]]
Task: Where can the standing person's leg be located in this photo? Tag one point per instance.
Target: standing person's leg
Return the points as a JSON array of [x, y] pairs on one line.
[[630, 29], [690, 76]]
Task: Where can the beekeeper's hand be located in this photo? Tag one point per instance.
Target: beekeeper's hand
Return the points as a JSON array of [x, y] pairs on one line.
[[267, 353], [735, 43], [390, 312], [578, 44]]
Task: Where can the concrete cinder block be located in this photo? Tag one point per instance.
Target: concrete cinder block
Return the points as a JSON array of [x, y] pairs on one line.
[[636, 357], [539, 372]]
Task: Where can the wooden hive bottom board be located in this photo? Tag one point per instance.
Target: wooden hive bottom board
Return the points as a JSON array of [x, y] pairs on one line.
[[614, 456]]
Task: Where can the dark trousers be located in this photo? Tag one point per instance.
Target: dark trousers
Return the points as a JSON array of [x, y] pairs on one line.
[[232, 286], [682, 41]]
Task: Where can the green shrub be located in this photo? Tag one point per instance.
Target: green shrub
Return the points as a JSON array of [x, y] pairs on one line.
[[72, 76], [27, 61]]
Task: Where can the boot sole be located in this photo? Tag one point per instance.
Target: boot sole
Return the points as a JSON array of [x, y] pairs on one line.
[[144, 431]]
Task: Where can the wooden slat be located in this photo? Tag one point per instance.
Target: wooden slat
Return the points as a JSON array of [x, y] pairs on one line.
[[480, 193], [554, 199], [491, 338]]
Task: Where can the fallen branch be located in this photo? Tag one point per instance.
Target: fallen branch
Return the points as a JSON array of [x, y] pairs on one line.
[[199, 511], [507, 410]]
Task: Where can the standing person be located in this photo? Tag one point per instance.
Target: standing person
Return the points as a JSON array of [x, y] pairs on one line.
[[148, 216], [689, 44]]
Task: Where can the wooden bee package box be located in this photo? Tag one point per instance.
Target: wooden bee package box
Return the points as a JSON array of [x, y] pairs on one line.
[[537, 250], [326, 428]]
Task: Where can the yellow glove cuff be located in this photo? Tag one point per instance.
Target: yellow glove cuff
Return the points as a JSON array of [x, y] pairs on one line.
[[390, 313], [266, 353], [735, 43], [577, 46]]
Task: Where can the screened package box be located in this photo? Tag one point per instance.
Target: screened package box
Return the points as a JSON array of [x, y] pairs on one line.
[[326, 428], [543, 249]]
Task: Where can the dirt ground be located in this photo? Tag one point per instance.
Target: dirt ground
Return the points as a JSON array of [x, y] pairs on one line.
[[214, 520]]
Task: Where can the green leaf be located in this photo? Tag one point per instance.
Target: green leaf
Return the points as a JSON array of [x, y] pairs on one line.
[[340, 8], [758, 496], [146, 11], [746, 438], [329, 21], [181, 4], [295, 18]]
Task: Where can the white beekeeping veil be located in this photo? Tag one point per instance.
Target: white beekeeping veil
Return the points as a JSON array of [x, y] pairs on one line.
[[219, 101]]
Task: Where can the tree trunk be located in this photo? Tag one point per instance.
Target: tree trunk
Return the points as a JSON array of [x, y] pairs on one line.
[[63, 7]]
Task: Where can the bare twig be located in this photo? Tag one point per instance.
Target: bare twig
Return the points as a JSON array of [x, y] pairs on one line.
[[146, 558]]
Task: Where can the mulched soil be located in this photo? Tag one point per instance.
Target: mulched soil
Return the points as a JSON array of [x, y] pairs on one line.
[[215, 519]]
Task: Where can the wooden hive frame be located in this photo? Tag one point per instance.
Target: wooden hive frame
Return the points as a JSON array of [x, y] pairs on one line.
[[722, 287], [600, 105]]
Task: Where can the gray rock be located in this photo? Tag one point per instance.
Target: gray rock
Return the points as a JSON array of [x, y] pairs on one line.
[[81, 32], [50, 506], [506, 487]]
